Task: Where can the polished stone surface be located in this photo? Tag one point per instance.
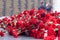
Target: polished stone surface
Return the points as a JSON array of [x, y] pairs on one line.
[[8, 37]]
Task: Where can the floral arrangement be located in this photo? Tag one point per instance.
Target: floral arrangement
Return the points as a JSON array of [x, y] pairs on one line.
[[32, 23]]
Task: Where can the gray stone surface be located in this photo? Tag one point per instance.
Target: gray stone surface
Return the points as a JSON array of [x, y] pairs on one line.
[[8, 37]]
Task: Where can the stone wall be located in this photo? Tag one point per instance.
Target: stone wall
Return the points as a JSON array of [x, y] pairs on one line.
[[10, 7]]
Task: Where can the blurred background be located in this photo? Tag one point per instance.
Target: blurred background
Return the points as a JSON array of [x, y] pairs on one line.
[[10, 7]]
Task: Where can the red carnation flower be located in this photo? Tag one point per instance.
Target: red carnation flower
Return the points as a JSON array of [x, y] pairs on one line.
[[58, 20], [50, 37], [33, 21], [51, 31], [1, 33], [20, 24], [15, 33]]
